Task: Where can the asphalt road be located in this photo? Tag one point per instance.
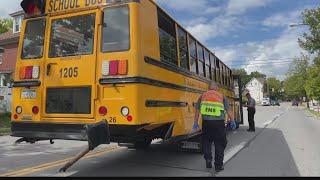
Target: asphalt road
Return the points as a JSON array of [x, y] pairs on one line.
[[284, 144]]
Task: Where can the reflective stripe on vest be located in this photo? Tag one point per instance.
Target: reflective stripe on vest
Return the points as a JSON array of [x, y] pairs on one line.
[[212, 104]]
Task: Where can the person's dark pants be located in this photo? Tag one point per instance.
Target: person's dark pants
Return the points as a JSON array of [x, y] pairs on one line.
[[251, 113], [214, 131]]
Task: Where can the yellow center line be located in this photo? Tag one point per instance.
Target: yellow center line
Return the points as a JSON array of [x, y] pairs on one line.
[[50, 165]]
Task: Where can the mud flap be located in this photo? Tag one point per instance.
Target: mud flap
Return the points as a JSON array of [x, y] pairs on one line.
[[97, 134]]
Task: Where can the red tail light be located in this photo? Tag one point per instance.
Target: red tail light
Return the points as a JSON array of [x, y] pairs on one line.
[[103, 111], [35, 110], [129, 118], [113, 68], [28, 72]]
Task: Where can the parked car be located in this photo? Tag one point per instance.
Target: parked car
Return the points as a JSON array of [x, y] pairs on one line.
[[266, 102], [295, 103], [275, 103]]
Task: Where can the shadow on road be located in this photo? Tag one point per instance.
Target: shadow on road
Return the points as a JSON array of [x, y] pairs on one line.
[[267, 154]]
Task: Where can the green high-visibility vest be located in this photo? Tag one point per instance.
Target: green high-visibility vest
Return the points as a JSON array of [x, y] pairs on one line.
[[211, 109]]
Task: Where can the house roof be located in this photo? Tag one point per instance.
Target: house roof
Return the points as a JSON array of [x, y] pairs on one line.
[[9, 38], [261, 80]]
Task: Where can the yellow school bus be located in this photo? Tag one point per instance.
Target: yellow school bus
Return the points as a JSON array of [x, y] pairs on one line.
[[124, 62]]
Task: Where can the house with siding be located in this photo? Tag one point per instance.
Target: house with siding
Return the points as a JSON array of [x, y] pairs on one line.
[[257, 89], [8, 56]]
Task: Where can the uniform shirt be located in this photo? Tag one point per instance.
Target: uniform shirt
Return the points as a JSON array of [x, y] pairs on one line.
[[212, 118], [251, 102]]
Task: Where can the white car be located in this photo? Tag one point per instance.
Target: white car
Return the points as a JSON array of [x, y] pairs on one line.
[[266, 102]]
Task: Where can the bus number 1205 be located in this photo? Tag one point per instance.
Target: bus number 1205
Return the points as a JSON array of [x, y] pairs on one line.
[[69, 72]]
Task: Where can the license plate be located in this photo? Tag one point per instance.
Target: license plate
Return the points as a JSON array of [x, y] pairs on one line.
[[28, 94]]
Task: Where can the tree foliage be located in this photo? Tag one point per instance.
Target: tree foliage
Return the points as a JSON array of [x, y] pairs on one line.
[[294, 85], [274, 87], [5, 25], [311, 40], [313, 83]]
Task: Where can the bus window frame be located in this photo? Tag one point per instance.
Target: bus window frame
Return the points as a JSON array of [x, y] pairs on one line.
[[81, 13], [198, 58], [178, 29], [190, 39], [102, 26], [207, 64], [44, 37]]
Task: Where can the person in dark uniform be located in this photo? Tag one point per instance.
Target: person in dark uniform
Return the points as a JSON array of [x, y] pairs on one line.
[[251, 105], [213, 106]]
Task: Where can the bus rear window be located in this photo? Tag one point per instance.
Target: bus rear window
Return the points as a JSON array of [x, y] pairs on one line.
[[33, 39], [72, 36], [116, 31]]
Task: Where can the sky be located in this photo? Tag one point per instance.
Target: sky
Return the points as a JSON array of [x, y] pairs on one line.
[[250, 34]]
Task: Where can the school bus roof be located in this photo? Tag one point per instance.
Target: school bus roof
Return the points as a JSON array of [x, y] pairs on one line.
[[56, 6]]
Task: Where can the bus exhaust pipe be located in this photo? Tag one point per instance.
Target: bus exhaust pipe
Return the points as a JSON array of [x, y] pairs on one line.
[[97, 134]]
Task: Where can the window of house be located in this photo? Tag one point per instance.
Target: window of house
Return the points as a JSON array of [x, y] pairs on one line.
[[167, 35], [193, 55], [208, 64], [201, 64], [17, 24], [183, 49]]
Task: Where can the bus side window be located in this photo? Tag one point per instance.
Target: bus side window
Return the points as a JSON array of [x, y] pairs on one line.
[[193, 55], [201, 64], [167, 36], [183, 49], [213, 67], [208, 64]]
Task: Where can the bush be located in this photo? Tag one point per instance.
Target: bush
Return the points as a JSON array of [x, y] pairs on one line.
[[5, 120]]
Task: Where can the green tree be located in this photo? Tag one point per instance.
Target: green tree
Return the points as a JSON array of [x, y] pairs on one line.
[[5, 25], [274, 87], [313, 83], [311, 40], [294, 85], [257, 74]]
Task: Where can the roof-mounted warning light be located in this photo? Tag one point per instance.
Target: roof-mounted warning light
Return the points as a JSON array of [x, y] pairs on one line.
[[33, 7]]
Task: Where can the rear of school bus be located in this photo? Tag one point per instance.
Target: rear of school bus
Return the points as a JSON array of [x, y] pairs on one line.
[[56, 89], [78, 65]]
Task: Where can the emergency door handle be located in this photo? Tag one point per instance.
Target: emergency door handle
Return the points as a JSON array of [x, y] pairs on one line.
[[49, 68]]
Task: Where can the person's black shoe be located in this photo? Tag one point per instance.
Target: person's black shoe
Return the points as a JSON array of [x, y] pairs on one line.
[[219, 168], [251, 130], [209, 164]]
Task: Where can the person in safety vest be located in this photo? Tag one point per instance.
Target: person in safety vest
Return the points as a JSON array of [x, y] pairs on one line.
[[213, 105]]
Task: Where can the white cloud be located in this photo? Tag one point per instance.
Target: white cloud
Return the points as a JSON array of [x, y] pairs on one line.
[[236, 7], [190, 6], [219, 26], [254, 56], [9, 7], [282, 19]]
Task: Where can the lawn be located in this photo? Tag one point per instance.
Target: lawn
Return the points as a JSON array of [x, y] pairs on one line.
[[315, 113], [5, 124]]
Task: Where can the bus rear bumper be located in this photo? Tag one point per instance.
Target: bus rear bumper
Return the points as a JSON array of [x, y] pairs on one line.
[[43, 131], [47, 131]]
